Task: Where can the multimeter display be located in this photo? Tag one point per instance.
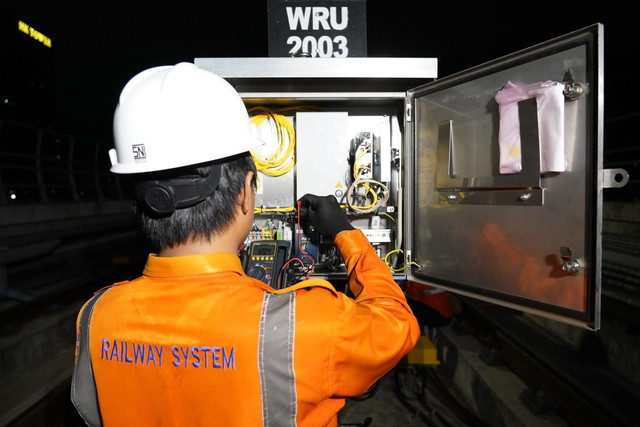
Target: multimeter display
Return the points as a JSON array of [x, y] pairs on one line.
[[263, 249], [265, 261]]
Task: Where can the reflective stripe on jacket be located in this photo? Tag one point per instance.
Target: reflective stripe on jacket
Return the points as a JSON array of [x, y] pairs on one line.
[[195, 341]]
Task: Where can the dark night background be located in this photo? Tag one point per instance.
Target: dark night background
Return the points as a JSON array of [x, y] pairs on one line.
[[73, 87]]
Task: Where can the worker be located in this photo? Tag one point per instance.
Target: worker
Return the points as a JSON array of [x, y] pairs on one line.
[[194, 340]]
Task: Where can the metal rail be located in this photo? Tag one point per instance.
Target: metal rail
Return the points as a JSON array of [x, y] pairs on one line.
[[575, 383]]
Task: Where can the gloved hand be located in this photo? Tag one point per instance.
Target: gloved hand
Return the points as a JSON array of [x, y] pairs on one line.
[[325, 214]]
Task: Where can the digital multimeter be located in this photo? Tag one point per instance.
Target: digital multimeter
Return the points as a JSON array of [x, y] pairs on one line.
[[265, 259]]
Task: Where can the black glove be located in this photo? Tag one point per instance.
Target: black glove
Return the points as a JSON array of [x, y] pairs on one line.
[[325, 214]]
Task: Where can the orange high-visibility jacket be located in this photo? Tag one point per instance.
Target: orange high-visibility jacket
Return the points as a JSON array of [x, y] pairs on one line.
[[195, 341]]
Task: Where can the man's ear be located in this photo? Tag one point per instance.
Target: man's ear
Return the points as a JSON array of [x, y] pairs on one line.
[[245, 199]]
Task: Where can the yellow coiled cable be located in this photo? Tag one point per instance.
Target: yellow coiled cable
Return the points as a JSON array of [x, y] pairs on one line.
[[282, 159]]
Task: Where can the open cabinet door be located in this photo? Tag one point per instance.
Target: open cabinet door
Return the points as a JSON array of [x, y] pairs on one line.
[[503, 180]]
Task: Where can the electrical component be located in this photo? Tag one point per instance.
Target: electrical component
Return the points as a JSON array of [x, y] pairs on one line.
[[363, 163], [365, 194], [265, 259], [335, 153], [321, 154], [377, 235]]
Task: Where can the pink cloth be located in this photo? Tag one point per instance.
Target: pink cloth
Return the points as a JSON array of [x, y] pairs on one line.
[[550, 108]]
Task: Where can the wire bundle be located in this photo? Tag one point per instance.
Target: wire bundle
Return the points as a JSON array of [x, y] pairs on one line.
[[308, 273], [282, 159], [376, 191]]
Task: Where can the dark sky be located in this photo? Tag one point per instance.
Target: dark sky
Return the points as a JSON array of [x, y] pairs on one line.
[[95, 52]]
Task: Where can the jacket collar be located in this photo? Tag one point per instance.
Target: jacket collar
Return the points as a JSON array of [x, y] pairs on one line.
[[192, 265]]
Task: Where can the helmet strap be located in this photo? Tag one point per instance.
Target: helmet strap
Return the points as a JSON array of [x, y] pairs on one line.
[[163, 197]]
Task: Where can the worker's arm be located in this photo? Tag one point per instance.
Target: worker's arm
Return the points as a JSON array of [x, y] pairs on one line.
[[371, 335]]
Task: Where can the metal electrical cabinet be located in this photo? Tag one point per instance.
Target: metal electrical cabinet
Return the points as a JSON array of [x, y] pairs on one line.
[[529, 239]]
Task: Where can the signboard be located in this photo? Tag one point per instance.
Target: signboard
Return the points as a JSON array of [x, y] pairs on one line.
[[325, 29], [34, 34]]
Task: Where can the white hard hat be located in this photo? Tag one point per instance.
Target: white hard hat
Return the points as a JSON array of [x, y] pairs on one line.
[[174, 116]]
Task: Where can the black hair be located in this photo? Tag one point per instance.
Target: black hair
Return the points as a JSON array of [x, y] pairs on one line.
[[209, 217]]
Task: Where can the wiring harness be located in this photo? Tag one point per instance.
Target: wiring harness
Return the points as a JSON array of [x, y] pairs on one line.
[[365, 195], [282, 159], [375, 193]]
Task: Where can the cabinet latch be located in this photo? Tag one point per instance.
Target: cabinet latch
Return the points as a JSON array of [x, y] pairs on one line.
[[570, 264]]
